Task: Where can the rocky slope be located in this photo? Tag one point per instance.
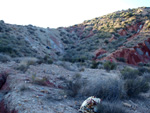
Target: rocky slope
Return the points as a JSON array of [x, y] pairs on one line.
[[30, 83], [19, 41], [112, 36], [122, 34], [48, 88]]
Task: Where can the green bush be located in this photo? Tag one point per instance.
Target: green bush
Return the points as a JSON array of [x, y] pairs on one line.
[[108, 65], [129, 73], [133, 87]]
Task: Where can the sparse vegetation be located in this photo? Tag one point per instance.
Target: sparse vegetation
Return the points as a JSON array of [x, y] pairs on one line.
[[108, 65], [40, 81], [24, 64]]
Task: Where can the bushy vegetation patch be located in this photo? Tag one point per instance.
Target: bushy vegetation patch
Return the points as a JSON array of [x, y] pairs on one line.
[[108, 65]]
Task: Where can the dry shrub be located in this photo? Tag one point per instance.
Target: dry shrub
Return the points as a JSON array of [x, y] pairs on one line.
[[108, 65], [74, 85], [39, 81], [107, 107], [129, 73], [26, 62], [109, 88], [143, 70], [134, 87]]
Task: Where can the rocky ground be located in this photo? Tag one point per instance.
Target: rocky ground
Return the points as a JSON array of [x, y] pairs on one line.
[[43, 88]]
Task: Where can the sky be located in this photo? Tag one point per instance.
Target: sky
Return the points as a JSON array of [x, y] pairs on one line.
[[61, 13]]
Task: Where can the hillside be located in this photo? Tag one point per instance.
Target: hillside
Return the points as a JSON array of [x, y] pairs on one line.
[[119, 35], [122, 34], [45, 70]]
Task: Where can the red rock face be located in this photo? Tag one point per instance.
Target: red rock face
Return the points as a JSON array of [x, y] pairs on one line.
[[135, 55], [4, 86]]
